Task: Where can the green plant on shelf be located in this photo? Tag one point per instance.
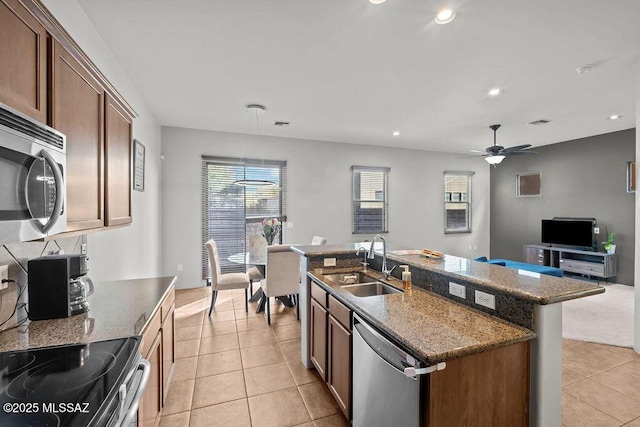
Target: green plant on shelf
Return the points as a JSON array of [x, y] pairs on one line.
[[609, 242]]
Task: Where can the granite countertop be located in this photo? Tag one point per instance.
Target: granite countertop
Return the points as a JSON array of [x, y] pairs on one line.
[[537, 290], [431, 327], [116, 309]]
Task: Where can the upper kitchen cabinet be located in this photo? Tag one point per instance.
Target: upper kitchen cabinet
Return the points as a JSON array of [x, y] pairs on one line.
[[118, 128], [77, 110], [23, 67]]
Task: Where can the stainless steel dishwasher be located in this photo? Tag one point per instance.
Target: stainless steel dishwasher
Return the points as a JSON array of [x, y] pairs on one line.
[[387, 381]]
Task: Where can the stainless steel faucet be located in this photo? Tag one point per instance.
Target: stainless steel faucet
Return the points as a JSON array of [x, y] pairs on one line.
[[385, 272], [364, 257]]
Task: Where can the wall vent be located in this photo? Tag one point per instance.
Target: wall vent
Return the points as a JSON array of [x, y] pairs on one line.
[[283, 124]]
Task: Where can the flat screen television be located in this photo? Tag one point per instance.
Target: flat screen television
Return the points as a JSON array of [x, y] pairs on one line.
[[570, 232]]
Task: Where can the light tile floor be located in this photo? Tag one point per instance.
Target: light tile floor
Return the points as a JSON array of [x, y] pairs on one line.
[[234, 370]]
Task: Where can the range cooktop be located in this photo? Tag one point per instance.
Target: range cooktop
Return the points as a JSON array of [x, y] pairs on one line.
[[65, 385]]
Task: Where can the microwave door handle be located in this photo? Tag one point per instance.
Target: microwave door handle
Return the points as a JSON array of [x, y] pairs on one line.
[[57, 175]]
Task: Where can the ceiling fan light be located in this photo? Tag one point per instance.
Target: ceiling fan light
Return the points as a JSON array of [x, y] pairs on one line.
[[494, 160]]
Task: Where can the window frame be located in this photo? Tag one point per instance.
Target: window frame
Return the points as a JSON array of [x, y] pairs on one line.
[[463, 199], [385, 199]]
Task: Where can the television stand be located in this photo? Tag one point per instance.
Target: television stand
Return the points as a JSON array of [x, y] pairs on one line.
[[588, 263]]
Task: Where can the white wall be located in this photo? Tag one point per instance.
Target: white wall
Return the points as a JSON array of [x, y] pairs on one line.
[[319, 193], [134, 251]]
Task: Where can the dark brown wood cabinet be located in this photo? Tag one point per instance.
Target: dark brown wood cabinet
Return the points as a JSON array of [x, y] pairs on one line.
[[339, 376], [23, 60], [118, 136], [319, 338], [77, 101]]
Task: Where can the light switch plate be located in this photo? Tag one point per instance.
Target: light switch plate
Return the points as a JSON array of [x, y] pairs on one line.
[[457, 290], [486, 300], [329, 262]]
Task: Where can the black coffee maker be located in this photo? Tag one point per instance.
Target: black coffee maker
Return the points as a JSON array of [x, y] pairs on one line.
[[58, 286]]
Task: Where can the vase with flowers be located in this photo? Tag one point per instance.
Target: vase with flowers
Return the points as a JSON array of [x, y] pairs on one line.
[[270, 229]]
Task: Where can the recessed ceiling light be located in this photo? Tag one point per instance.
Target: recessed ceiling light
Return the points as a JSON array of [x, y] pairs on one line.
[[615, 117], [585, 68], [376, 1], [495, 91], [396, 133], [444, 16]]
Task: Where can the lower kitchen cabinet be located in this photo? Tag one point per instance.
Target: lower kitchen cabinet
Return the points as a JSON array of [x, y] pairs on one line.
[[158, 347], [339, 370], [319, 337]]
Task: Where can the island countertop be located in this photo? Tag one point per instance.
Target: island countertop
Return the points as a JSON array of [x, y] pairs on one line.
[[432, 327], [541, 290], [116, 309]]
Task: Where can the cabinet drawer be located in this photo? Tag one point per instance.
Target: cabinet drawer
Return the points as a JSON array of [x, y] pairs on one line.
[[166, 305], [319, 294], [340, 312], [149, 334], [582, 267]]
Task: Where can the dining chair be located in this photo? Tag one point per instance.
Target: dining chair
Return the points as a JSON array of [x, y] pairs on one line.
[[317, 240], [282, 275], [226, 281]]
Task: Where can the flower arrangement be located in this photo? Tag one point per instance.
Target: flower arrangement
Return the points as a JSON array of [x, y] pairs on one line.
[[270, 229]]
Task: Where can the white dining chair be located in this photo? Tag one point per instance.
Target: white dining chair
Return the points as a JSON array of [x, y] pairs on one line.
[[282, 275], [226, 281]]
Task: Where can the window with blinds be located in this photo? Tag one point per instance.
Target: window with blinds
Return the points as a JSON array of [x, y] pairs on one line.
[[232, 213], [370, 199], [457, 202]]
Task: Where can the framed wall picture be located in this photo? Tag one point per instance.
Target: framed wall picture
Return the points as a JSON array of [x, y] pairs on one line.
[[528, 184], [631, 177], [138, 165]]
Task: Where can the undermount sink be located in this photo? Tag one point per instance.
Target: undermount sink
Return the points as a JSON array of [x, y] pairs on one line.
[[350, 278], [370, 289], [361, 284]]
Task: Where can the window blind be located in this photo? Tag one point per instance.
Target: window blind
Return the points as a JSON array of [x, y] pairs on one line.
[[370, 206], [231, 214]]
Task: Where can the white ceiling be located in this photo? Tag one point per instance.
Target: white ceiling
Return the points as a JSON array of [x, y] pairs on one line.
[[351, 71]]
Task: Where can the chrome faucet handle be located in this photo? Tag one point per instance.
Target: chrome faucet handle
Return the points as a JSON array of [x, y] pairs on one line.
[[387, 273]]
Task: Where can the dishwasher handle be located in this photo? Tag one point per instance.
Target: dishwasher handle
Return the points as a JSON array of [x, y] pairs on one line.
[[393, 355]]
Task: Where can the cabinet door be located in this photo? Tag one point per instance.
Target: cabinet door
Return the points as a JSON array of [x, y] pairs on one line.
[[118, 133], [168, 351], [150, 407], [339, 371], [319, 338], [23, 63], [78, 112]]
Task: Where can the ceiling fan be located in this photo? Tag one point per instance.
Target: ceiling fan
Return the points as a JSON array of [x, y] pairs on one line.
[[496, 153]]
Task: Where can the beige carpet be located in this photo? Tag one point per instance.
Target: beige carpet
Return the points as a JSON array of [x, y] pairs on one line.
[[604, 318]]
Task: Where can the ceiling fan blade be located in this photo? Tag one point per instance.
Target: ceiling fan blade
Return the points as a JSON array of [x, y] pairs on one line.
[[480, 154], [478, 151], [511, 150], [513, 153]]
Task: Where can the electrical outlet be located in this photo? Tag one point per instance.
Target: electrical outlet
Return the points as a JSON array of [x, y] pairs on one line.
[[179, 267], [83, 248], [4, 275], [289, 224], [596, 230], [457, 290], [486, 300], [329, 262]]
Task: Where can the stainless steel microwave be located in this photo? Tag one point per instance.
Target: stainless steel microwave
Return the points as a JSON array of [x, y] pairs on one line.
[[32, 188]]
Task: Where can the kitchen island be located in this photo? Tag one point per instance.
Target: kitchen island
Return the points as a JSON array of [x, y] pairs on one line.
[[530, 302]]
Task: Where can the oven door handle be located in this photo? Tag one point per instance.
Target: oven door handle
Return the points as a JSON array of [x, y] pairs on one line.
[[57, 175], [145, 366]]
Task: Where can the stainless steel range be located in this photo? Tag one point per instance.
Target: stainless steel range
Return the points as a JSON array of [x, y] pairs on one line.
[[96, 384]]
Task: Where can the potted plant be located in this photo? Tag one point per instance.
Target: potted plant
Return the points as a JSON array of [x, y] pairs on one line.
[[608, 245]]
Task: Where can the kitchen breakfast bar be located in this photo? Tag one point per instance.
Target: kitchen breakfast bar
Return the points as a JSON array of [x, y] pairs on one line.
[[487, 339]]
